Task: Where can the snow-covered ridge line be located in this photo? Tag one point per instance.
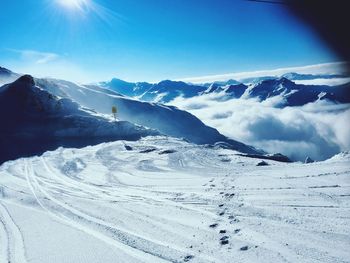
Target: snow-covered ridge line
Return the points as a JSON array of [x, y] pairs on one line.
[[34, 121], [48, 113]]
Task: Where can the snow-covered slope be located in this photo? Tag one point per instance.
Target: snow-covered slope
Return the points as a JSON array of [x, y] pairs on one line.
[[165, 200], [33, 121], [168, 120]]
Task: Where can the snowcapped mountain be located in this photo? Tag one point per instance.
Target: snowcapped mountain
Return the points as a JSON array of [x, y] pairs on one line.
[[34, 120], [98, 101], [291, 93], [214, 87], [146, 197], [163, 91], [296, 94], [167, 90], [167, 120], [127, 88], [59, 104], [228, 91], [222, 83]]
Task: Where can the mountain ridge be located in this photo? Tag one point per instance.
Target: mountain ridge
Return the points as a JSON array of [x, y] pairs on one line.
[[34, 121], [262, 88]]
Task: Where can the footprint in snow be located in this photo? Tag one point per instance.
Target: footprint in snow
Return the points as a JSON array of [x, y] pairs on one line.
[[244, 248], [167, 152], [188, 258], [127, 147], [224, 240], [148, 150]]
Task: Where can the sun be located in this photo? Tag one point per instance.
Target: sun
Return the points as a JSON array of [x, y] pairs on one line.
[[75, 4], [76, 10]]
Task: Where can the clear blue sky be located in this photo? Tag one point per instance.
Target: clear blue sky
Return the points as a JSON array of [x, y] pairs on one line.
[[151, 40]]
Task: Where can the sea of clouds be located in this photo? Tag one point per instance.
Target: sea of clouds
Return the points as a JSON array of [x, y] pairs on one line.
[[318, 130]]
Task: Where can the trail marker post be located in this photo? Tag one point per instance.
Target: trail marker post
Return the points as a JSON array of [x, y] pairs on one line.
[[114, 112]]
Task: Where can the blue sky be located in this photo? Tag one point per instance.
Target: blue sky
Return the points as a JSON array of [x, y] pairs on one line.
[[151, 40]]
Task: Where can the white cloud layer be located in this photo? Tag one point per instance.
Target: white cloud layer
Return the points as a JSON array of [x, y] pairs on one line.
[[328, 82], [318, 130], [325, 68]]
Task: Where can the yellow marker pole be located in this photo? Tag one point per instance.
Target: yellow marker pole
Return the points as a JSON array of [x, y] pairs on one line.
[[114, 111]]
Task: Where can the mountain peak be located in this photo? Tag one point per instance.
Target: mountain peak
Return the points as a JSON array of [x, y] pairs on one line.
[[26, 79], [171, 82], [119, 81], [284, 80]]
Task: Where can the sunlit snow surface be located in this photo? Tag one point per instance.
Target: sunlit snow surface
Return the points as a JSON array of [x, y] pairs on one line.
[[154, 200]]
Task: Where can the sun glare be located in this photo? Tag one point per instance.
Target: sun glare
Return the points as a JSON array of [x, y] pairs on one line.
[[86, 9], [74, 4]]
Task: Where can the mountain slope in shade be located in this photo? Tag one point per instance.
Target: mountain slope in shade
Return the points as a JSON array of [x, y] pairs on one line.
[[33, 121], [168, 120]]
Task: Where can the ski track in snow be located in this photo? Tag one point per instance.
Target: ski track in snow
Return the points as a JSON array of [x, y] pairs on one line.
[[165, 200], [13, 249]]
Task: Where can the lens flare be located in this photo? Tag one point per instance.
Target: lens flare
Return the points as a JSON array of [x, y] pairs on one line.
[[75, 4]]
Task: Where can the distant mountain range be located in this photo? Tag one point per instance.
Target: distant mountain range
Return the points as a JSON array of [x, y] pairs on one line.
[[163, 91], [262, 88]]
